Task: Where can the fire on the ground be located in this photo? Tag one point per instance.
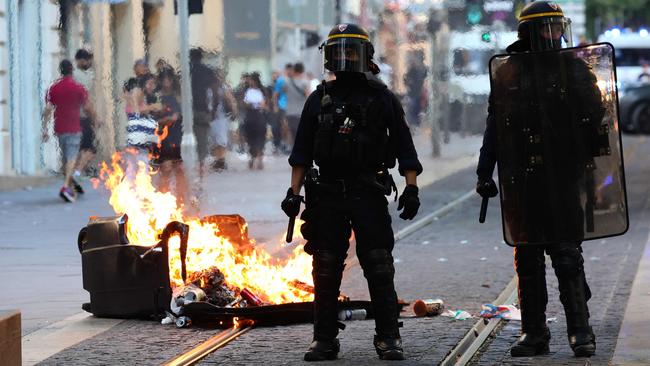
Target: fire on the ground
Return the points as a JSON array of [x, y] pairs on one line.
[[149, 210]]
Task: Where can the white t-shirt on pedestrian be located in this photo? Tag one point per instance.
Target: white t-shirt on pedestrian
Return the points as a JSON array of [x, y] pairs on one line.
[[254, 97]]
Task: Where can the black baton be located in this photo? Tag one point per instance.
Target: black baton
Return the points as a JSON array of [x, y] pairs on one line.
[[484, 204], [292, 221]]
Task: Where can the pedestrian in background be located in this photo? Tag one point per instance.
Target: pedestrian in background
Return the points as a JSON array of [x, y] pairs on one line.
[[224, 109], [140, 128], [297, 90], [280, 108], [254, 127], [203, 79], [170, 132], [66, 98], [414, 80], [85, 76]]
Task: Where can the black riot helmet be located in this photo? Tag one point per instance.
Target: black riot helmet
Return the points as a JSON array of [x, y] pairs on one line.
[[348, 49], [544, 26]]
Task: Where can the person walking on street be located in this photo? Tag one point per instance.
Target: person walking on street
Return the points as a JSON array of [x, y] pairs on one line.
[[297, 90], [66, 98], [353, 129], [85, 76], [203, 79], [170, 130], [140, 128], [280, 108], [224, 112], [254, 124], [414, 80]]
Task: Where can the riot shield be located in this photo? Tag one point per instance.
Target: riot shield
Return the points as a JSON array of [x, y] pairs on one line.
[[560, 158]]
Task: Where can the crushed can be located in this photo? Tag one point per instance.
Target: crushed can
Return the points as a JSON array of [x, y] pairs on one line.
[[251, 298]]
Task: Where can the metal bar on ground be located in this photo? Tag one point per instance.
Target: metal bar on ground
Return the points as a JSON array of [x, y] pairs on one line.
[[463, 352], [426, 220], [202, 350]]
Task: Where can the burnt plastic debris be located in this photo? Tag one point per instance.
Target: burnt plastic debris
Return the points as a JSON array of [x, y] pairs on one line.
[[183, 322]]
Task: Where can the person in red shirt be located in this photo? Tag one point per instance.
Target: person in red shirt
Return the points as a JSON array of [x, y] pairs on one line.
[[66, 98]]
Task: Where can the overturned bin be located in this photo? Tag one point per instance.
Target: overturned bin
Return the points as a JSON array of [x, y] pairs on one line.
[[133, 281]]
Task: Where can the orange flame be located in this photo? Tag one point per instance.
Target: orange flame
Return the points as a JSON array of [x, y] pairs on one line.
[[129, 179], [163, 135]]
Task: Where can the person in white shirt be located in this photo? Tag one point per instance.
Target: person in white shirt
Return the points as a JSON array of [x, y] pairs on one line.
[[254, 127]]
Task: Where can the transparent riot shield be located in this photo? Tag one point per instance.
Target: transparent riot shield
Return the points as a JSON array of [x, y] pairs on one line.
[[559, 149]]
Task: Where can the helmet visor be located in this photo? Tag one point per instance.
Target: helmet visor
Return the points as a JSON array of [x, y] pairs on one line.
[[550, 33], [346, 54]]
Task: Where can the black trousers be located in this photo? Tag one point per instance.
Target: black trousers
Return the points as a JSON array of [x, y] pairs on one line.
[[330, 219], [568, 265]]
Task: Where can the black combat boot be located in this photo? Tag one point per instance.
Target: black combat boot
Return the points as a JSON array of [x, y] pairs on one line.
[[533, 298], [378, 269], [323, 350], [574, 294], [327, 272]]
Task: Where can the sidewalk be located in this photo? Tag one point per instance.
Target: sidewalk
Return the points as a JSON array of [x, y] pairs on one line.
[[633, 346]]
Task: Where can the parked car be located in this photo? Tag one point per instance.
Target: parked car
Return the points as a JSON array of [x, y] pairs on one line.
[[634, 109]]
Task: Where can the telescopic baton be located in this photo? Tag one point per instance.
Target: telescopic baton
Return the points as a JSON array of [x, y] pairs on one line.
[[292, 221], [484, 204]]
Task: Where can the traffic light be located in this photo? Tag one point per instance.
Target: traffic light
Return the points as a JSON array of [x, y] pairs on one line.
[[486, 37], [474, 14]]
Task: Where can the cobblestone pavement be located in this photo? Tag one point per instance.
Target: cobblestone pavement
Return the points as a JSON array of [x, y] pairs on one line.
[[610, 266], [426, 264]]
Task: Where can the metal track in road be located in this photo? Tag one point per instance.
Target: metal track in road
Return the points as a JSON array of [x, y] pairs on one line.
[[463, 352], [197, 353]]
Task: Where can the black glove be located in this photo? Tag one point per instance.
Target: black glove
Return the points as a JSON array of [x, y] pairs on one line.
[[486, 188], [291, 203], [409, 201]]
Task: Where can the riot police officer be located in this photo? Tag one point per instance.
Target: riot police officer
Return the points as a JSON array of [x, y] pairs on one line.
[[353, 129], [549, 153]]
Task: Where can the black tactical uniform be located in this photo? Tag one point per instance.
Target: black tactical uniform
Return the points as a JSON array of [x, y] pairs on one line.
[[353, 129], [541, 219]]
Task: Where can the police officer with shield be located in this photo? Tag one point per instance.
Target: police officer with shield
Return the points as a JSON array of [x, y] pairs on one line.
[[554, 138], [353, 129]]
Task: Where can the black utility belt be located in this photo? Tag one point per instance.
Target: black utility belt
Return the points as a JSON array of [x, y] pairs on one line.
[[340, 186]]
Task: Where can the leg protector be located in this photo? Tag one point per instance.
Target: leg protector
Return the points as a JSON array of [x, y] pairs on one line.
[[378, 269], [327, 272], [533, 297], [574, 294]]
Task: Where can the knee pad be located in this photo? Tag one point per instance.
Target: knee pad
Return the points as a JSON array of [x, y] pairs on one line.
[[377, 265], [327, 266], [567, 262], [529, 262]]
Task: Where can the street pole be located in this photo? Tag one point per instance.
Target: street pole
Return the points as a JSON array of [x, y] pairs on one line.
[[186, 80], [296, 30], [274, 31], [337, 10]]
